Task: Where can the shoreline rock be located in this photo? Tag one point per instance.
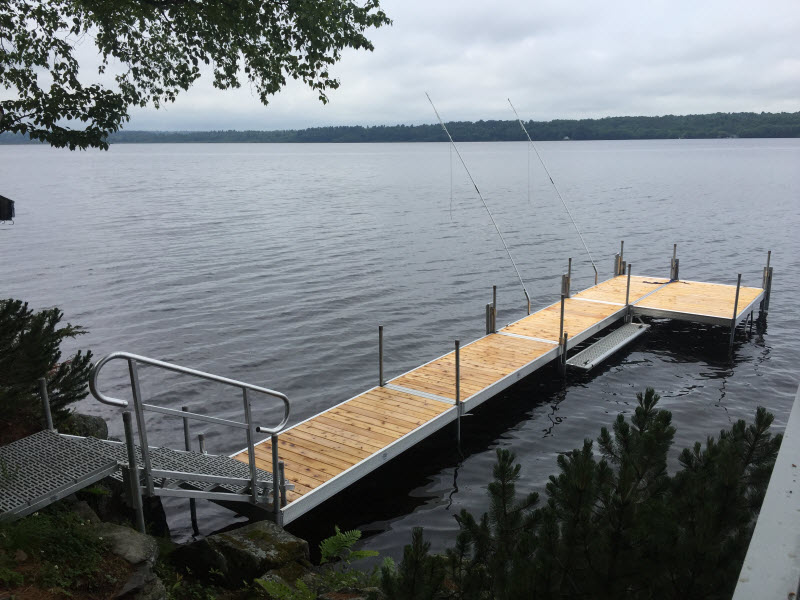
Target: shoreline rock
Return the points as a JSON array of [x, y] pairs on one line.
[[245, 553]]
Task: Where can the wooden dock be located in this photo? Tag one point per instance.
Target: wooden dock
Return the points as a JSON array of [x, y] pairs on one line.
[[334, 449]]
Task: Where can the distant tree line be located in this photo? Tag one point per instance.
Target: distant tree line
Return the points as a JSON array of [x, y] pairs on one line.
[[716, 125]]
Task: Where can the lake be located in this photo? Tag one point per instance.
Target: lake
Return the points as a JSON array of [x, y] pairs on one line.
[[275, 264]]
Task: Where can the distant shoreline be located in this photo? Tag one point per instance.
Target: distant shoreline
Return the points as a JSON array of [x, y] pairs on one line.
[[708, 126]]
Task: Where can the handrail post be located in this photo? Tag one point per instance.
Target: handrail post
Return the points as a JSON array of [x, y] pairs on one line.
[[48, 417], [458, 391], [276, 483], [380, 356], [133, 472], [735, 311], [629, 312], [251, 454], [141, 425], [187, 444]]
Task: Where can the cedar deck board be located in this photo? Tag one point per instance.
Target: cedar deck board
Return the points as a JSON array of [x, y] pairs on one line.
[[700, 298]]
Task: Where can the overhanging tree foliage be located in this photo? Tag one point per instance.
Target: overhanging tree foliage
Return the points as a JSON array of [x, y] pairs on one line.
[[156, 48]]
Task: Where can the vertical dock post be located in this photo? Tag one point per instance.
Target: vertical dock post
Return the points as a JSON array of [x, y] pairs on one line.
[[674, 263], [629, 313], [48, 417], [133, 472], [458, 392], [735, 311], [621, 258], [282, 471], [569, 273], [201, 441], [561, 320], [276, 482], [380, 356], [491, 313], [187, 443], [562, 364], [494, 309], [766, 284]]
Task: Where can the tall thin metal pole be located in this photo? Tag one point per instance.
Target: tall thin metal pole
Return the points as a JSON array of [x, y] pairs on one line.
[[555, 187], [187, 442], [561, 321], [380, 355], [133, 472], [48, 417], [486, 206]]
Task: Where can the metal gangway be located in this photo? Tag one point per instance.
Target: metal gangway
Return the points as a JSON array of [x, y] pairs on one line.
[[47, 466]]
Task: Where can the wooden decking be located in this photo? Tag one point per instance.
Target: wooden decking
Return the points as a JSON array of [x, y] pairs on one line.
[[332, 450]]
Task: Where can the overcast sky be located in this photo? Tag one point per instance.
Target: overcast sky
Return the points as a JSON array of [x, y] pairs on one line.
[[554, 59]]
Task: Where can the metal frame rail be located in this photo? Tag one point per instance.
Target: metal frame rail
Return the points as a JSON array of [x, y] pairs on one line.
[[139, 408]]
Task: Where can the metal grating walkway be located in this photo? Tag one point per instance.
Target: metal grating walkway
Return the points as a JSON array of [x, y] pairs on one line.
[[46, 467], [43, 468]]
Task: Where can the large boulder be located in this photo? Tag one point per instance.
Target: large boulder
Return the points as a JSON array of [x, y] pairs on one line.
[[141, 552], [240, 555]]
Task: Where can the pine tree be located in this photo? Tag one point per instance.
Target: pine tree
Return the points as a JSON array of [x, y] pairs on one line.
[[615, 524], [29, 349]]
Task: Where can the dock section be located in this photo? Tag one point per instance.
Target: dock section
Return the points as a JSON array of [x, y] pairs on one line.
[[334, 449]]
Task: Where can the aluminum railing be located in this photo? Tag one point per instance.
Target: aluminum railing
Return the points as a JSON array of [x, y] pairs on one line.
[[140, 407]]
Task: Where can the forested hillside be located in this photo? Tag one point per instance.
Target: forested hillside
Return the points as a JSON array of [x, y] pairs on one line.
[[717, 125]]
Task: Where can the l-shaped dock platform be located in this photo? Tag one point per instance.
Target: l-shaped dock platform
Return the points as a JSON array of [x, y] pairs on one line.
[[332, 450]]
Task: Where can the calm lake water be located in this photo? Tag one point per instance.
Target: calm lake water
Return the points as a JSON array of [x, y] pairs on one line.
[[275, 264]]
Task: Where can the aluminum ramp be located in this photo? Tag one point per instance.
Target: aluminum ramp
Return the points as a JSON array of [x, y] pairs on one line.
[[606, 346]]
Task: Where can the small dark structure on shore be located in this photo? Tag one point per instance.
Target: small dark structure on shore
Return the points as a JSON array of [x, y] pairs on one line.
[[6, 209]]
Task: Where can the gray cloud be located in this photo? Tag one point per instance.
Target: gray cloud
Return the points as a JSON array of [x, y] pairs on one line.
[[554, 59]]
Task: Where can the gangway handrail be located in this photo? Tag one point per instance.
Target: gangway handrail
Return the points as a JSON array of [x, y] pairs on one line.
[[139, 407]]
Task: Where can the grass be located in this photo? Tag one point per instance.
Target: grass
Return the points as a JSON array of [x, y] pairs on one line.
[[54, 553]]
